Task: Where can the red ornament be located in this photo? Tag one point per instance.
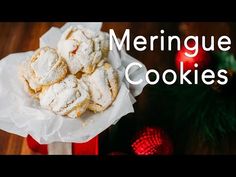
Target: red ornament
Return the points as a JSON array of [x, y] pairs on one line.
[[152, 141], [202, 58]]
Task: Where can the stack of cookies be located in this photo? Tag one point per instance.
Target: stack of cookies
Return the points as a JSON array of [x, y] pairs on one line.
[[75, 77]]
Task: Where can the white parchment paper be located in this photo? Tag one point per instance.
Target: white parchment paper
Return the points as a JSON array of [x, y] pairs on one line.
[[22, 115]]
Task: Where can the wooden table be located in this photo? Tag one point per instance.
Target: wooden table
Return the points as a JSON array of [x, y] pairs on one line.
[[21, 37]]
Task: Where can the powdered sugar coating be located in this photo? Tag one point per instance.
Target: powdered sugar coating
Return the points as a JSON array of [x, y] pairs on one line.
[[83, 49], [48, 66], [68, 97], [103, 87]]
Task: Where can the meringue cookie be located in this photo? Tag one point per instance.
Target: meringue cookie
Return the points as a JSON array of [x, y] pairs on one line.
[[83, 49], [103, 87], [48, 66], [69, 97], [26, 73]]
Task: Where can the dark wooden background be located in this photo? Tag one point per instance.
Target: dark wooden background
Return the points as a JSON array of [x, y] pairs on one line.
[[21, 37]]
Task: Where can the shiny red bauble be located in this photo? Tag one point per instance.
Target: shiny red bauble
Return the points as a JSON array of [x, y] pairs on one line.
[[202, 58], [152, 141]]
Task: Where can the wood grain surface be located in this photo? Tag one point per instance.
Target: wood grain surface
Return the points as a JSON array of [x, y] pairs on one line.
[[21, 37]]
